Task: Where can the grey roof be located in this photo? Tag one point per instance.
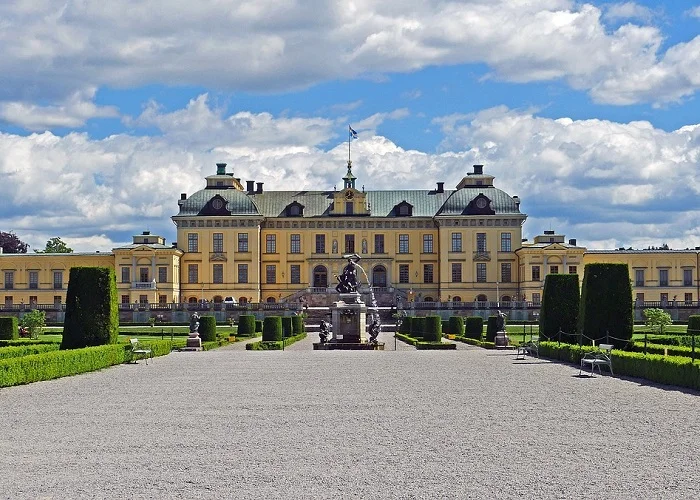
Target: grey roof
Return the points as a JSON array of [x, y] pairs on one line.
[[156, 246], [501, 202], [646, 250], [238, 202]]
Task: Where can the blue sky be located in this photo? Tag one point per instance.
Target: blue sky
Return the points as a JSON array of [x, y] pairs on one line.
[[586, 110]]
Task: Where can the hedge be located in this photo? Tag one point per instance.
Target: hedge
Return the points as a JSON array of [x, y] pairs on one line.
[[418, 327], [272, 329], [445, 326], [287, 326], [92, 316], [207, 328], [560, 305], [420, 344], [694, 324], [258, 326], [406, 325], [27, 350], [456, 325], [298, 324], [491, 329], [474, 327], [433, 329], [274, 345], [246, 325], [9, 328]]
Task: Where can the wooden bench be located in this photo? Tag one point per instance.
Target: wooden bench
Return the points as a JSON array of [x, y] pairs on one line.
[[598, 358], [530, 348], [139, 352]]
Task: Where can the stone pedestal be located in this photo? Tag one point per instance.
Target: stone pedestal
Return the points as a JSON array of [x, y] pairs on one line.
[[501, 339], [349, 319]]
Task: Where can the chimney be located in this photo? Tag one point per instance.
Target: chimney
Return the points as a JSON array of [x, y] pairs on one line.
[[183, 196], [478, 169], [174, 244], [516, 200], [220, 169], [250, 186], [259, 190], [549, 232], [146, 233], [440, 187], [572, 242]]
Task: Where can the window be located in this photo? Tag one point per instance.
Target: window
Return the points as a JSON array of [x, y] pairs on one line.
[[349, 243], [125, 299], [349, 208], [553, 269], [505, 242], [687, 277], [536, 273], [456, 272], [427, 273], [162, 274], [688, 298], [9, 279], [379, 276], [320, 243], [270, 273], [403, 273], [143, 273], [664, 298], [192, 242], [243, 273], [295, 243], [378, 243], [403, 243], [573, 270], [242, 242], [456, 242], [639, 277], [404, 210], [427, 243], [505, 272], [271, 243], [58, 280], [217, 273], [536, 298], [480, 242], [663, 277], [640, 297], [192, 273], [33, 279], [143, 299], [162, 300], [481, 272], [295, 274], [218, 243]]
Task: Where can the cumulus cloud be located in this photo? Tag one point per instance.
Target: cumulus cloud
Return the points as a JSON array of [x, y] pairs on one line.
[[52, 50], [628, 11], [694, 12]]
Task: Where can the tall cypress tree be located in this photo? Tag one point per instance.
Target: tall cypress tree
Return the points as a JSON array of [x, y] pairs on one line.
[[560, 307]]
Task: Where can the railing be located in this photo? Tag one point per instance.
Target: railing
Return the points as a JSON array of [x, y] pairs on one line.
[[143, 285]]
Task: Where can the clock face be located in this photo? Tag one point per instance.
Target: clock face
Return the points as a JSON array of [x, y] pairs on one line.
[[349, 195], [481, 203]]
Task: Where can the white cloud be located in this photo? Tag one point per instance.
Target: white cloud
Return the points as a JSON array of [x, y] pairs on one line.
[[694, 12], [53, 50], [627, 11]]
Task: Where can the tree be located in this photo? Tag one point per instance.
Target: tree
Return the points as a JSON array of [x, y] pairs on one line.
[[560, 307], [10, 243], [34, 321], [55, 245], [657, 319]]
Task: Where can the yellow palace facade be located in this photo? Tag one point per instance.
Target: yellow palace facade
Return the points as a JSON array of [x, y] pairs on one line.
[[462, 245]]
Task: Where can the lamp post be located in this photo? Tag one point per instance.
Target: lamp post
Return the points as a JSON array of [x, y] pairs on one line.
[[498, 296]]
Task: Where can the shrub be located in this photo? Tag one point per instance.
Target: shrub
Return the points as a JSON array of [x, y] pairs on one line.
[[656, 319], [406, 325], [272, 329], [605, 313], [26, 350], [258, 326], [246, 325], [433, 329], [8, 328], [694, 324], [34, 321], [207, 328], [287, 326], [92, 317], [445, 326], [491, 329], [560, 306], [273, 345], [435, 346], [297, 325], [474, 327], [418, 327]]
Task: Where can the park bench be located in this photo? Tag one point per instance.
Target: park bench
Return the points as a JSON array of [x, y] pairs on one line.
[[139, 352], [530, 348], [598, 358]]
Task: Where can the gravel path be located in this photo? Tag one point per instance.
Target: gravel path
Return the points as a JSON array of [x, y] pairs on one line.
[[345, 424]]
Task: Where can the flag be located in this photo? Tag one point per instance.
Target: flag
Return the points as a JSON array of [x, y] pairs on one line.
[[353, 134]]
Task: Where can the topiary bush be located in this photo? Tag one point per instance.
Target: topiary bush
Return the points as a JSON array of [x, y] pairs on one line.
[[297, 325], [207, 328], [605, 312], [406, 323], [433, 329], [456, 325], [272, 329], [246, 325], [446, 327], [491, 329], [474, 327], [287, 326], [418, 327], [694, 324], [560, 307], [92, 314], [258, 326], [9, 328]]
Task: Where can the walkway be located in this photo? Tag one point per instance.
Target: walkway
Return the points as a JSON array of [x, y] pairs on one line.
[[345, 424]]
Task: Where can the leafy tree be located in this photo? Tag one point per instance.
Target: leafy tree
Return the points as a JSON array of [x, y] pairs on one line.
[[657, 319], [55, 245], [34, 321], [10, 243]]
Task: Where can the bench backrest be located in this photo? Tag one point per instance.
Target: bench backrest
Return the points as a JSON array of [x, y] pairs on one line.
[[134, 343], [605, 347]]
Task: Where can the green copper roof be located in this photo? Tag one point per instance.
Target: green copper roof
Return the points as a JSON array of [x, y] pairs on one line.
[[501, 202], [238, 202]]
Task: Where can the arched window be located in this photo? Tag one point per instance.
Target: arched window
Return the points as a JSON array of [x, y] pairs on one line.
[[218, 299], [505, 298], [320, 277], [481, 298], [192, 300], [456, 298], [271, 300], [379, 276], [428, 299], [243, 300]]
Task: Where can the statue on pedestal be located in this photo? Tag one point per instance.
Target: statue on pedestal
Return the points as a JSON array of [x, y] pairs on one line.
[[324, 332], [347, 281], [374, 331]]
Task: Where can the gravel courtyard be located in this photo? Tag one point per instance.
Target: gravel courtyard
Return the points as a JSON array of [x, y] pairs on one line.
[[228, 423]]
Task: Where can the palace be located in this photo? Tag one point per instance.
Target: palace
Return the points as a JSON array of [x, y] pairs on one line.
[[461, 245]]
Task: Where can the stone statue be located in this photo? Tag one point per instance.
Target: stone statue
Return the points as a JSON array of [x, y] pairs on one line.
[[374, 331], [500, 321], [324, 332], [194, 323], [347, 281]]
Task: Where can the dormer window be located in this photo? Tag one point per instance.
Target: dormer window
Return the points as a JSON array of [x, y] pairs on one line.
[[295, 209], [403, 209]]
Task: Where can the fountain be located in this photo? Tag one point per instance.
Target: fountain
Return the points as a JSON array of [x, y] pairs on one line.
[[349, 314]]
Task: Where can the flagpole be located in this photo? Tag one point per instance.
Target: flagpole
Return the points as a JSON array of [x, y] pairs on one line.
[[349, 140]]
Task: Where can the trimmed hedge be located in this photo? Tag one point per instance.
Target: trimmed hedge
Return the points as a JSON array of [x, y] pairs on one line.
[[273, 345], [272, 329], [92, 316], [474, 327], [26, 350], [246, 325], [491, 329], [418, 327], [456, 325], [298, 325], [9, 328], [445, 326], [694, 324], [606, 304], [560, 305], [207, 328], [435, 346], [258, 326], [287, 326], [406, 325], [433, 329]]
